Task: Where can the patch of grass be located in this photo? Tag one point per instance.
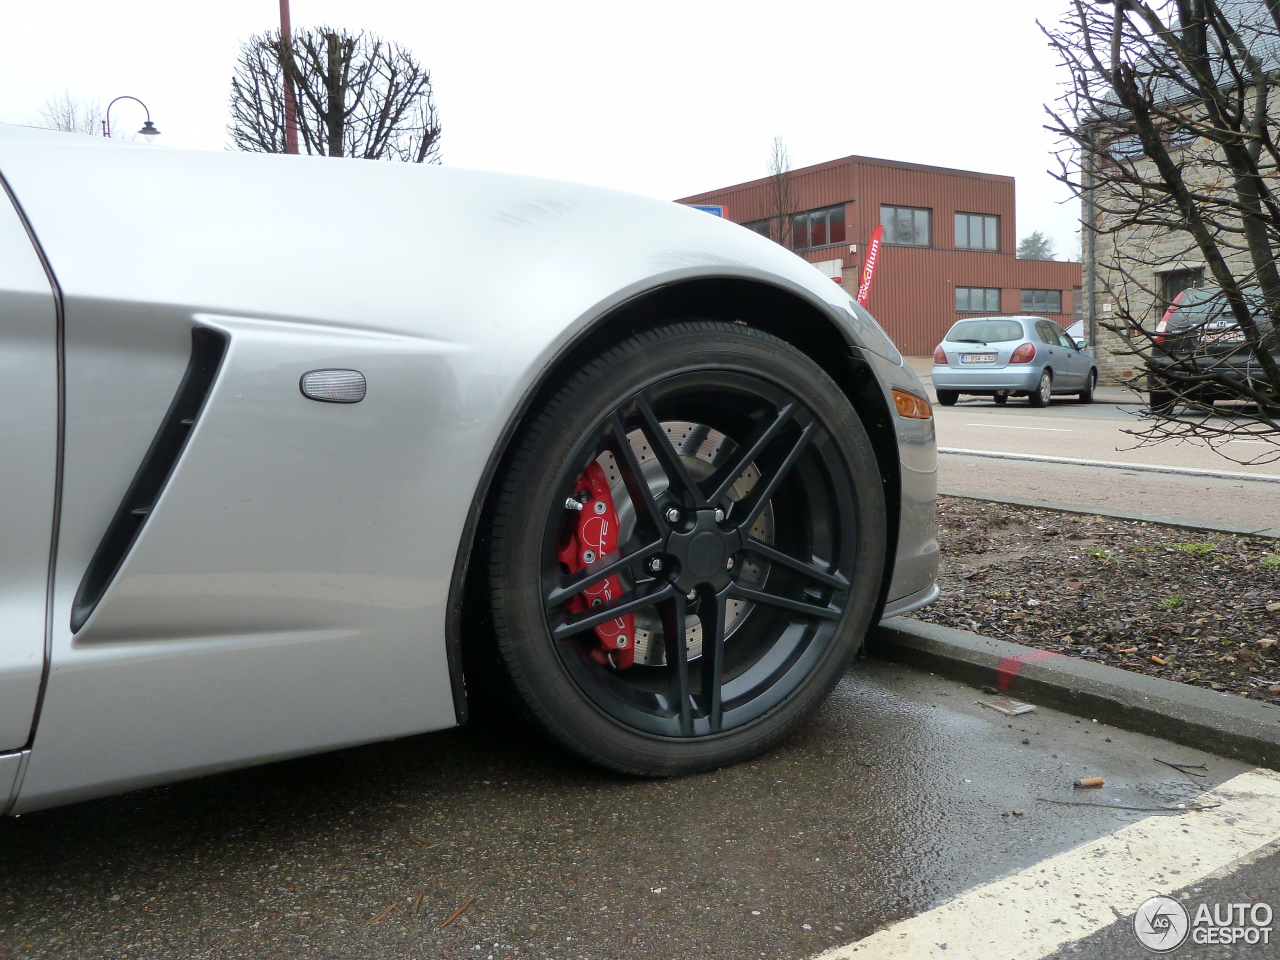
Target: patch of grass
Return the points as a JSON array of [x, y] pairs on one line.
[[1173, 601], [1103, 555], [1271, 561], [1197, 547]]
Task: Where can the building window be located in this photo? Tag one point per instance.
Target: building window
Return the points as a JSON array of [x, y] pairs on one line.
[[1175, 281], [818, 228], [978, 299], [1041, 301], [977, 231], [761, 227], [1077, 302], [907, 226]]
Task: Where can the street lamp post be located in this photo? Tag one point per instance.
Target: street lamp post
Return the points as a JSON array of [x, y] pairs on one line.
[[148, 130]]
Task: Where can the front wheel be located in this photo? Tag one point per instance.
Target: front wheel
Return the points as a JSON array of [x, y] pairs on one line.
[[1041, 395], [685, 550]]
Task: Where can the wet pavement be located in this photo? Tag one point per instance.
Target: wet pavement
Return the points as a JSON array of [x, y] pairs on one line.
[[900, 794]]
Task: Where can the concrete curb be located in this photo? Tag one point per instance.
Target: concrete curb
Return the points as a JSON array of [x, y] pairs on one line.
[[1220, 723]]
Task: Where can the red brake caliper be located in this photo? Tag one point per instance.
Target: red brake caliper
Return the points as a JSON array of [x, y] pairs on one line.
[[593, 535]]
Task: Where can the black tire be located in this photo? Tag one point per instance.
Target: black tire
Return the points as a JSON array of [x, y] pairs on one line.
[[784, 628], [948, 398], [1000, 399], [1162, 402], [1040, 396], [1090, 384]]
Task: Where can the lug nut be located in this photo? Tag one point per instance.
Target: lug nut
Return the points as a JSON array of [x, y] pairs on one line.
[[655, 565], [728, 564], [719, 514], [673, 515]]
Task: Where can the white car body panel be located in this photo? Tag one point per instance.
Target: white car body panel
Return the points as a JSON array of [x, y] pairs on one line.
[[289, 590]]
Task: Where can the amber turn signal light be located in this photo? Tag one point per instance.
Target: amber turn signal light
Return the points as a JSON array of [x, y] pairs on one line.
[[911, 407]]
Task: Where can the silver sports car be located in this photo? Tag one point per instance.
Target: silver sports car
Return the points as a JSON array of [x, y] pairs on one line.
[[297, 449]]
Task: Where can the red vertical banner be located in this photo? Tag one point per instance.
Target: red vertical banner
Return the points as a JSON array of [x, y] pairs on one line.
[[869, 266]]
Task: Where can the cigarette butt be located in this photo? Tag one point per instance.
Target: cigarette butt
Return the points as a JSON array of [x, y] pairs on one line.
[[1160, 660], [1088, 782]]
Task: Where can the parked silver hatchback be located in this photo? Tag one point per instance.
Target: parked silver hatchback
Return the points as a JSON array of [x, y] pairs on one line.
[[1000, 357]]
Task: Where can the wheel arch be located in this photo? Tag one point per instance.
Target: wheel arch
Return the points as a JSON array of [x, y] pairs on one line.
[[758, 305]]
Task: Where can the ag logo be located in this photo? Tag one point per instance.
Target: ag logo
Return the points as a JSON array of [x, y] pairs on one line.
[[1161, 924]]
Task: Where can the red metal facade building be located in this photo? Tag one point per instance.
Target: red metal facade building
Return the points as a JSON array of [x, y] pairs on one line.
[[914, 294]]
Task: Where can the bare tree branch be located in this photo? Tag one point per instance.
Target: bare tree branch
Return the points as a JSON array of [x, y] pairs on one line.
[[62, 111], [357, 95], [1170, 118], [782, 206]]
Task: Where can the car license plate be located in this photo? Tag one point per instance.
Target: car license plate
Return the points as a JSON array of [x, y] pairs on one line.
[[977, 358], [1231, 335]]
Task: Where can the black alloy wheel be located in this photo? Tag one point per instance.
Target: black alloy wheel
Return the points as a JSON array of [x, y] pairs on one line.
[[749, 555]]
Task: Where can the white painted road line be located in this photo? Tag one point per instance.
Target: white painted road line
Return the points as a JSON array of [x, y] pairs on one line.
[[1075, 894], [1011, 426], [1112, 465]]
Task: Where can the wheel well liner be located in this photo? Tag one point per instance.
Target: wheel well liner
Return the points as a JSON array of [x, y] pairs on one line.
[[757, 305]]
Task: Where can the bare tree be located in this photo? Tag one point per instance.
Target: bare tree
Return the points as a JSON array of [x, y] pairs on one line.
[[357, 96], [62, 111], [1170, 114], [781, 199]]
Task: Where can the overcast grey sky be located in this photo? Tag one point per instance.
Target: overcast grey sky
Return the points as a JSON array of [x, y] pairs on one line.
[[668, 98]]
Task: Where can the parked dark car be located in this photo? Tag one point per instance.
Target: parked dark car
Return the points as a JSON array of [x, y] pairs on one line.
[[1201, 346]]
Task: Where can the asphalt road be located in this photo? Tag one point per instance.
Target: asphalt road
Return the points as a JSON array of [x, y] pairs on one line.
[[901, 794]]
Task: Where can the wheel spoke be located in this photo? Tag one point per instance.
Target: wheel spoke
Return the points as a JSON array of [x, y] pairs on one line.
[[812, 610], [678, 478], [633, 475], [677, 651], [727, 475], [766, 488], [812, 571], [644, 595], [603, 568], [712, 613]]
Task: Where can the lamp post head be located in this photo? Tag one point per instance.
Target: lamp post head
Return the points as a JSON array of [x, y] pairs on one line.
[[149, 131]]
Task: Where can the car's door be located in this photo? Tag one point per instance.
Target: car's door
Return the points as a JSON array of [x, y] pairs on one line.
[[1078, 361], [28, 467], [1059, 357]]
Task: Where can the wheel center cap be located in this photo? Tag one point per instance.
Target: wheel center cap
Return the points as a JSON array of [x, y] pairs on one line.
[[705, 555], [702, 552]]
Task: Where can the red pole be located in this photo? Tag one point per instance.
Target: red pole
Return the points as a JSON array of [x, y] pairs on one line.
[[290, 106]]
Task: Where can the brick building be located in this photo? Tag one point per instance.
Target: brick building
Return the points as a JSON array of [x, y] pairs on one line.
[[949, 242]]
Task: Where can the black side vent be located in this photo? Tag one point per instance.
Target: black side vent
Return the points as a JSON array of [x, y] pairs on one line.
[[208, 347]]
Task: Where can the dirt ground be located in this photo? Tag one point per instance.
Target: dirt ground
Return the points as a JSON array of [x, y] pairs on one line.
[[1194, 606]]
